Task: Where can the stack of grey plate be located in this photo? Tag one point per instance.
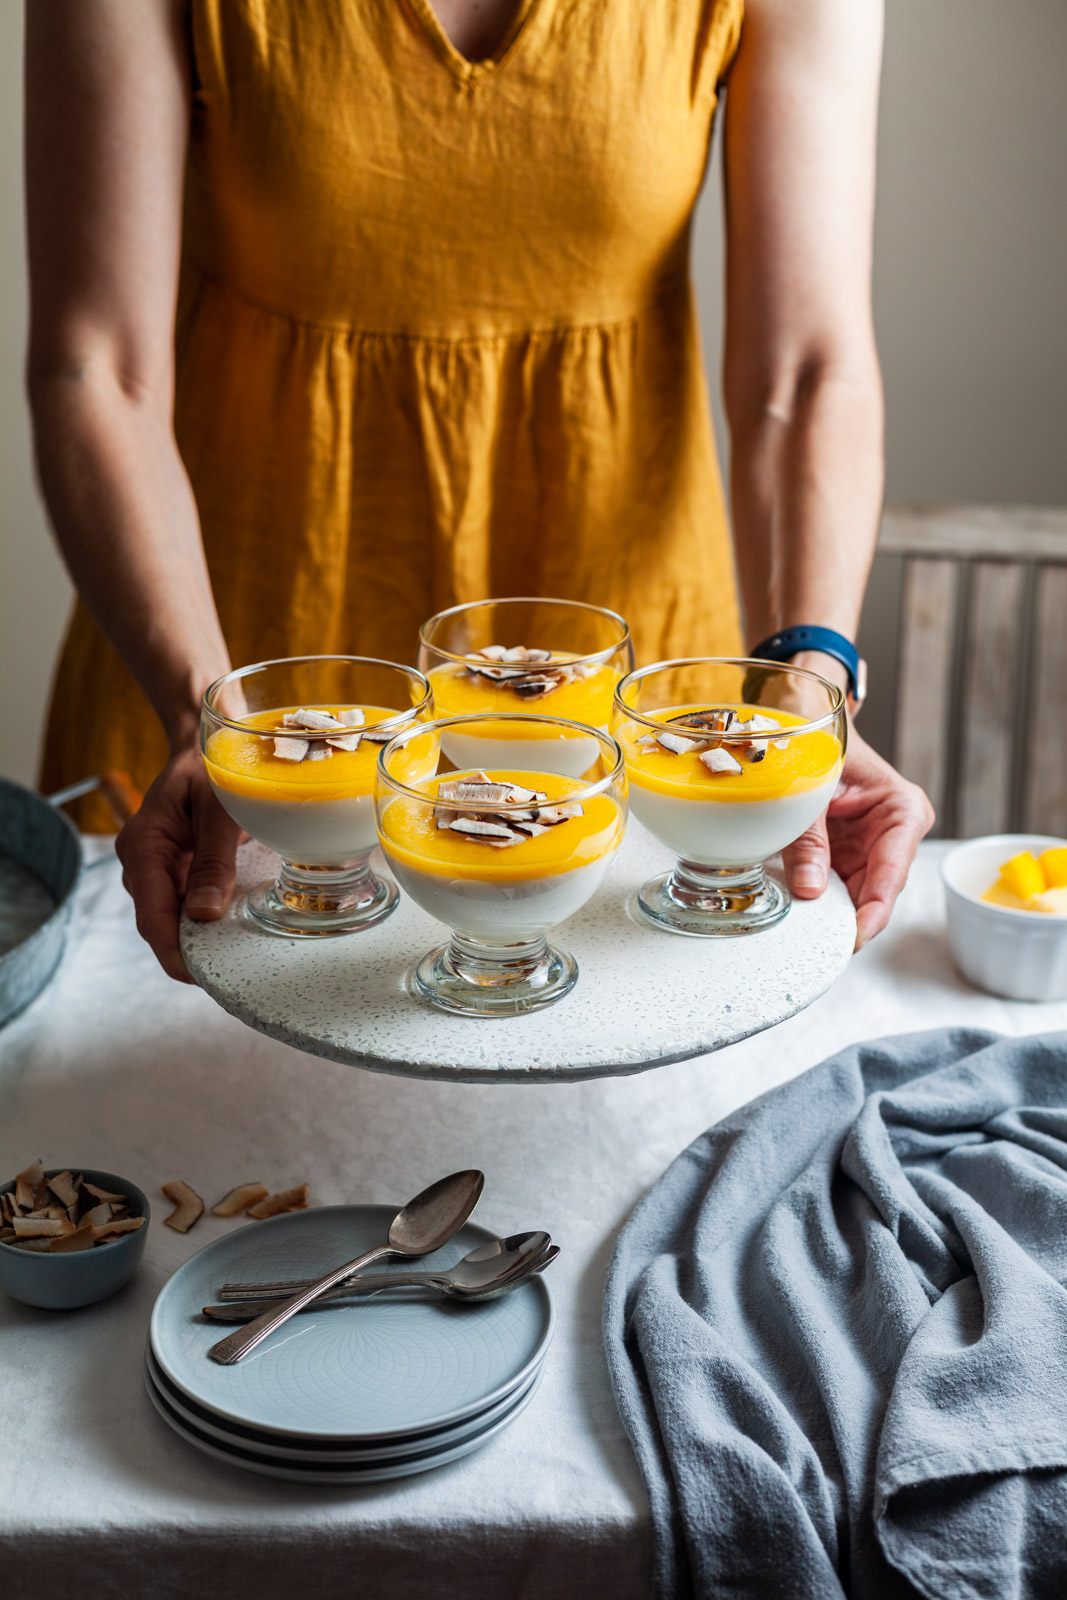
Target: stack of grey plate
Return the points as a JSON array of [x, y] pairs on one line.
[[352, 1391]]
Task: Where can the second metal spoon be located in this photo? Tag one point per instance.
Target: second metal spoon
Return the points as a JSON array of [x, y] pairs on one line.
[[486, 1272]]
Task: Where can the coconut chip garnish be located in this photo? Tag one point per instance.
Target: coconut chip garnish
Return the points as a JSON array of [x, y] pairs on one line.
[[529, 674], [483, 818], [188, 1206], [719, 737], [324, 732], [62, 1214], [295, 1199], [239, 1199]]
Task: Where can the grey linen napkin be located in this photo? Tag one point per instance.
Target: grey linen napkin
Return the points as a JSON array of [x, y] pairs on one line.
[[837, 1329]]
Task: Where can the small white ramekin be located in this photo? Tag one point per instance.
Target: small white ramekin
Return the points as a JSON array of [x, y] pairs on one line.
[[1019, 954]]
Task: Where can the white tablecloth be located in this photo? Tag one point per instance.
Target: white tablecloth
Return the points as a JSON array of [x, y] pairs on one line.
[[114, 1067]]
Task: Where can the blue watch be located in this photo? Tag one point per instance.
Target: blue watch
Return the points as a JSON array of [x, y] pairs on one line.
[[789, 642]]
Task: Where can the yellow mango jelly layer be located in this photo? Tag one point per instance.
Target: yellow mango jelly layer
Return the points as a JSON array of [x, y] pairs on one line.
[[246, 764], [457, 694], [408, 831], [808, 760]]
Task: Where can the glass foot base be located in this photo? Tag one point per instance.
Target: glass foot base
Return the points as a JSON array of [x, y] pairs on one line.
[[473, 980], [712, 902], [313, 903]]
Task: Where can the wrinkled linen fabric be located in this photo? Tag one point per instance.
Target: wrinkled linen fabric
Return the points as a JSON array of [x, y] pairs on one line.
[[837, 1329]]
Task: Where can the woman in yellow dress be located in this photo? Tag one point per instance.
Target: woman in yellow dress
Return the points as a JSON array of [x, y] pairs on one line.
[[345, 314]]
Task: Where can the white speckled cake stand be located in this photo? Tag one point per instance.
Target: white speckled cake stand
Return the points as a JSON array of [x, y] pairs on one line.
[[643, 997]]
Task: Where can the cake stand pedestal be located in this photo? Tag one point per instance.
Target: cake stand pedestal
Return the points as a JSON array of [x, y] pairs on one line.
[[643, 998]]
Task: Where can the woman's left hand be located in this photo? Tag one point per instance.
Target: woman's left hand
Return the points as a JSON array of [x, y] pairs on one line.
[[869, 835]]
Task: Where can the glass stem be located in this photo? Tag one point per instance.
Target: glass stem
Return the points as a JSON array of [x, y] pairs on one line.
[[732, 889], [487, 965], [327, 889]]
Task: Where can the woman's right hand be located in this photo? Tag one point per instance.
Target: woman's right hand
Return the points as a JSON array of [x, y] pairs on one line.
[[180, 847]]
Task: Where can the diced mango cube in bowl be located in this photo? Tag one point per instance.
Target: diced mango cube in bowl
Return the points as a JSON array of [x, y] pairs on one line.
[[1023, 875], [1054, 866]]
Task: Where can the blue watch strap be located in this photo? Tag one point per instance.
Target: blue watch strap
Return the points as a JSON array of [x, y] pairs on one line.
[[790, 642]]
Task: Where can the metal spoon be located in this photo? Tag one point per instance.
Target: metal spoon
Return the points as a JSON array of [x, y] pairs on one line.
[[495, 1258], [461, 1282], [425, 1224]]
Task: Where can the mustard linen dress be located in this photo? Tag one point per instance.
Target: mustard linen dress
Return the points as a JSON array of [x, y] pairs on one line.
[[435, 338]]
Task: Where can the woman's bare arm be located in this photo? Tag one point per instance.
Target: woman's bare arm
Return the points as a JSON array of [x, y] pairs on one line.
[[107, 111], [107, 114], [802, 385]]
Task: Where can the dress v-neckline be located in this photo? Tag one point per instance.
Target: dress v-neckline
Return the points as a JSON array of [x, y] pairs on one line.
[[454, 59]]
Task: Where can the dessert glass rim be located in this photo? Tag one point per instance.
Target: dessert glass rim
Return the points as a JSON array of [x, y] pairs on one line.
[[401, 719], [782, 732], [587, 792], [529, 599]]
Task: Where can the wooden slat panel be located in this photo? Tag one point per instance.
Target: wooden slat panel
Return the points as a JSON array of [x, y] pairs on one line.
[[992, 662], [1046, 788], [921, 744], [1007, 533], [878, 642]]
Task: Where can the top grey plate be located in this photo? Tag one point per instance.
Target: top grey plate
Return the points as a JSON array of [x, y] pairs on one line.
[[643, 997], [366, 1371]]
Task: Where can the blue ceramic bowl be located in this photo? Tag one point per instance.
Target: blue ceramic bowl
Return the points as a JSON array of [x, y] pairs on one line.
[[59, 1283]]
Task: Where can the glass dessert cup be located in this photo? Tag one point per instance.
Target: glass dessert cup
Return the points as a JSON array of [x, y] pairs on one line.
[[290, 748], [753, 754], [500, 855], [554, 658]]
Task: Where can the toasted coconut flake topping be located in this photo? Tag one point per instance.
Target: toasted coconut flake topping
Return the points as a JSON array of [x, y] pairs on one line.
[[719, 760], [332, 733], [529, 674], [118, 1226], [724, 730], [291, 749], [30, 1187], [483, 821], [295, 1199], [677, 746], [62, 1186], [37, 1227], [102, 1194], [82, 1238], [188, 1206], [239, 1199]]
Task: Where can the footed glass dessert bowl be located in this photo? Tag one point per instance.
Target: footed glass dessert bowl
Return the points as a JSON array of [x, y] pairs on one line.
[[290, 749], [728, 761], [558, 658], [501, 854]]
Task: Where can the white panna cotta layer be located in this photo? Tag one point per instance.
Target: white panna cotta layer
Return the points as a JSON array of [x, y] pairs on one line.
[[571, 757], [729, 833], [310, 833], [502, 913]]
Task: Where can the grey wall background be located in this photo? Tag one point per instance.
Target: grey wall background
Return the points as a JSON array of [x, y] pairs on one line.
[[970, 301]]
